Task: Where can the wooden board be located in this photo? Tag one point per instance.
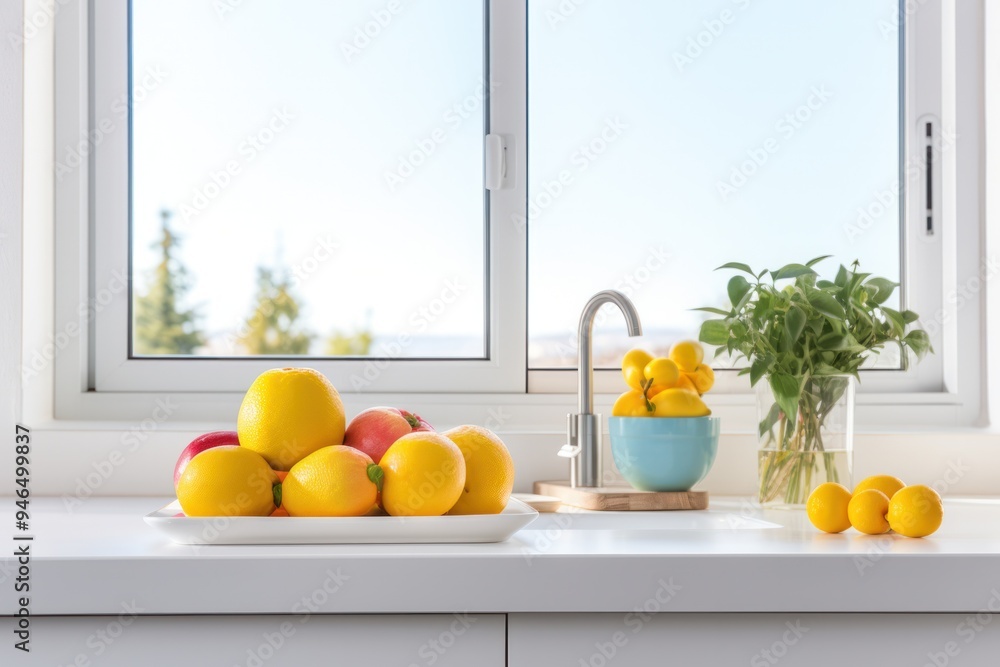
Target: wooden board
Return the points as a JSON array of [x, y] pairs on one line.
[[539, 503], [622, 498]]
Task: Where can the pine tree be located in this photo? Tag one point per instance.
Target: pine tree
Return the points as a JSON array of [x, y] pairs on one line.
[[272, 328], [161, 326], [341, 344]]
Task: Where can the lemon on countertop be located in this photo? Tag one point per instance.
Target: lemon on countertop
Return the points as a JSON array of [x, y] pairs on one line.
[[867, 510], [827, 507], [915, 511], [887, 484]]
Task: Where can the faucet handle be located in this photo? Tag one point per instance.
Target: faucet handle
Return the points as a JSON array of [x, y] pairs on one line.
[[569, 451]]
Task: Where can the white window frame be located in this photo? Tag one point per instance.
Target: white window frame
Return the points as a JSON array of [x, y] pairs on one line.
[[943, 82]]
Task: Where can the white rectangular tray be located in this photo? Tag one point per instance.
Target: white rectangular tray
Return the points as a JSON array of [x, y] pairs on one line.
[[342, 530]]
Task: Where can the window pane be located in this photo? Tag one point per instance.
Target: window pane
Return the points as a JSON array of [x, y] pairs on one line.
[[319, 169], [668, 138]]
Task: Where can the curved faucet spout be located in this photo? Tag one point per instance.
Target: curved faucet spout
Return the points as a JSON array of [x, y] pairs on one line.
[[584, 429], [585, 342]]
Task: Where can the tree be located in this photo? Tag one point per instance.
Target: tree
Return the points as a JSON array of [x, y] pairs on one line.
[[272, 327], [341, 344], [161, 326]]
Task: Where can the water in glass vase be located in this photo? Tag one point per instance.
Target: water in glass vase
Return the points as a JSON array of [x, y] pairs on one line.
[[788, 477]]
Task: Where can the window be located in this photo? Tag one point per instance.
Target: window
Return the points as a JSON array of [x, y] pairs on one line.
[[420, 197]]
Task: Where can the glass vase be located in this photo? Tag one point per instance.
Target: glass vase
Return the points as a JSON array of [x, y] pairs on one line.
[[815, 446]]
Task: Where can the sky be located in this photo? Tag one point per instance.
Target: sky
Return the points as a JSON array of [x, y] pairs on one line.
[[666, 138]]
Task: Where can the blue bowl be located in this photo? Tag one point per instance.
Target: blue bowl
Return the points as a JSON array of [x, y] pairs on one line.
[[664, 453]]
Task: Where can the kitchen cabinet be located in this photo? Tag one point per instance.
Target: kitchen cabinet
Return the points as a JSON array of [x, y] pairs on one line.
[[125, 640], [759, 640]]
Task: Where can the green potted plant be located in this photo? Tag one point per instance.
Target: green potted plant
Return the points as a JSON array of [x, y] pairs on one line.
[[807, 338]]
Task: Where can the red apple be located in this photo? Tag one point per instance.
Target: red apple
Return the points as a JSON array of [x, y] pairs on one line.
[[374, 430], [200, 444]]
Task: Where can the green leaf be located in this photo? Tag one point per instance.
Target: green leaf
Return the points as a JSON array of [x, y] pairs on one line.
[[795, 323], [276, 494], [792, 271], [842, 277], [376, 475], [826, 304], [738, 266], [786, 392], [909, 317], [758, 369], [919, 342], [737, 288], [883, 289], [714, 332], [715, 311], [768, 422], [817, 260], [896, 319], [833, 341]]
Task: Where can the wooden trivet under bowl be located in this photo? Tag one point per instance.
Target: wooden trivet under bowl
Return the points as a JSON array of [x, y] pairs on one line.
[[622, 498]]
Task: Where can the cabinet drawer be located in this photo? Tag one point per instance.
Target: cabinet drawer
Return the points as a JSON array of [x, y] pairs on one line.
[[265, 641], [758, 640]]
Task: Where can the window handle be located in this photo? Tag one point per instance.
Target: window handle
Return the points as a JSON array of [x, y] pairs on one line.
[[929, 176], [496, 162]]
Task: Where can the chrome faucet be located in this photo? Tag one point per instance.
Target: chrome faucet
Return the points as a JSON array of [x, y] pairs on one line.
[[583, 450]]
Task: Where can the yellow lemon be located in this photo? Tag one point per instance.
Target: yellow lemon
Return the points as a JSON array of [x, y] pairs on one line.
[[227, 481], [489, 471], [633, 364], [687, 354], [632, 403], [827, 507], [686, 383], [424, 475], [663, 373], [332, 481], [703, 378], [867, 511], [679, 403], [289, 413], [887, 484], [915, 511]]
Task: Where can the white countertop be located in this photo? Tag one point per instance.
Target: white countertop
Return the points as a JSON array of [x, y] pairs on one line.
[[103, 556]]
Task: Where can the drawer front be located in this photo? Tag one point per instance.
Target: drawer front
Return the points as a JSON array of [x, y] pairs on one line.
[[759, 640], [258, 641]]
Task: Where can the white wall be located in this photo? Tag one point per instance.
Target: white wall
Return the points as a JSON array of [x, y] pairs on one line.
[[11, 79]]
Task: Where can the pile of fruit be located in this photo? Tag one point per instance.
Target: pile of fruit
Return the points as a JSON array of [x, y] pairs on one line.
[[879, 504], [670, 386], [294, 455]]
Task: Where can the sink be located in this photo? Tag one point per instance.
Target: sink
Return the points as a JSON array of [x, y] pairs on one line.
[[570, 519]]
